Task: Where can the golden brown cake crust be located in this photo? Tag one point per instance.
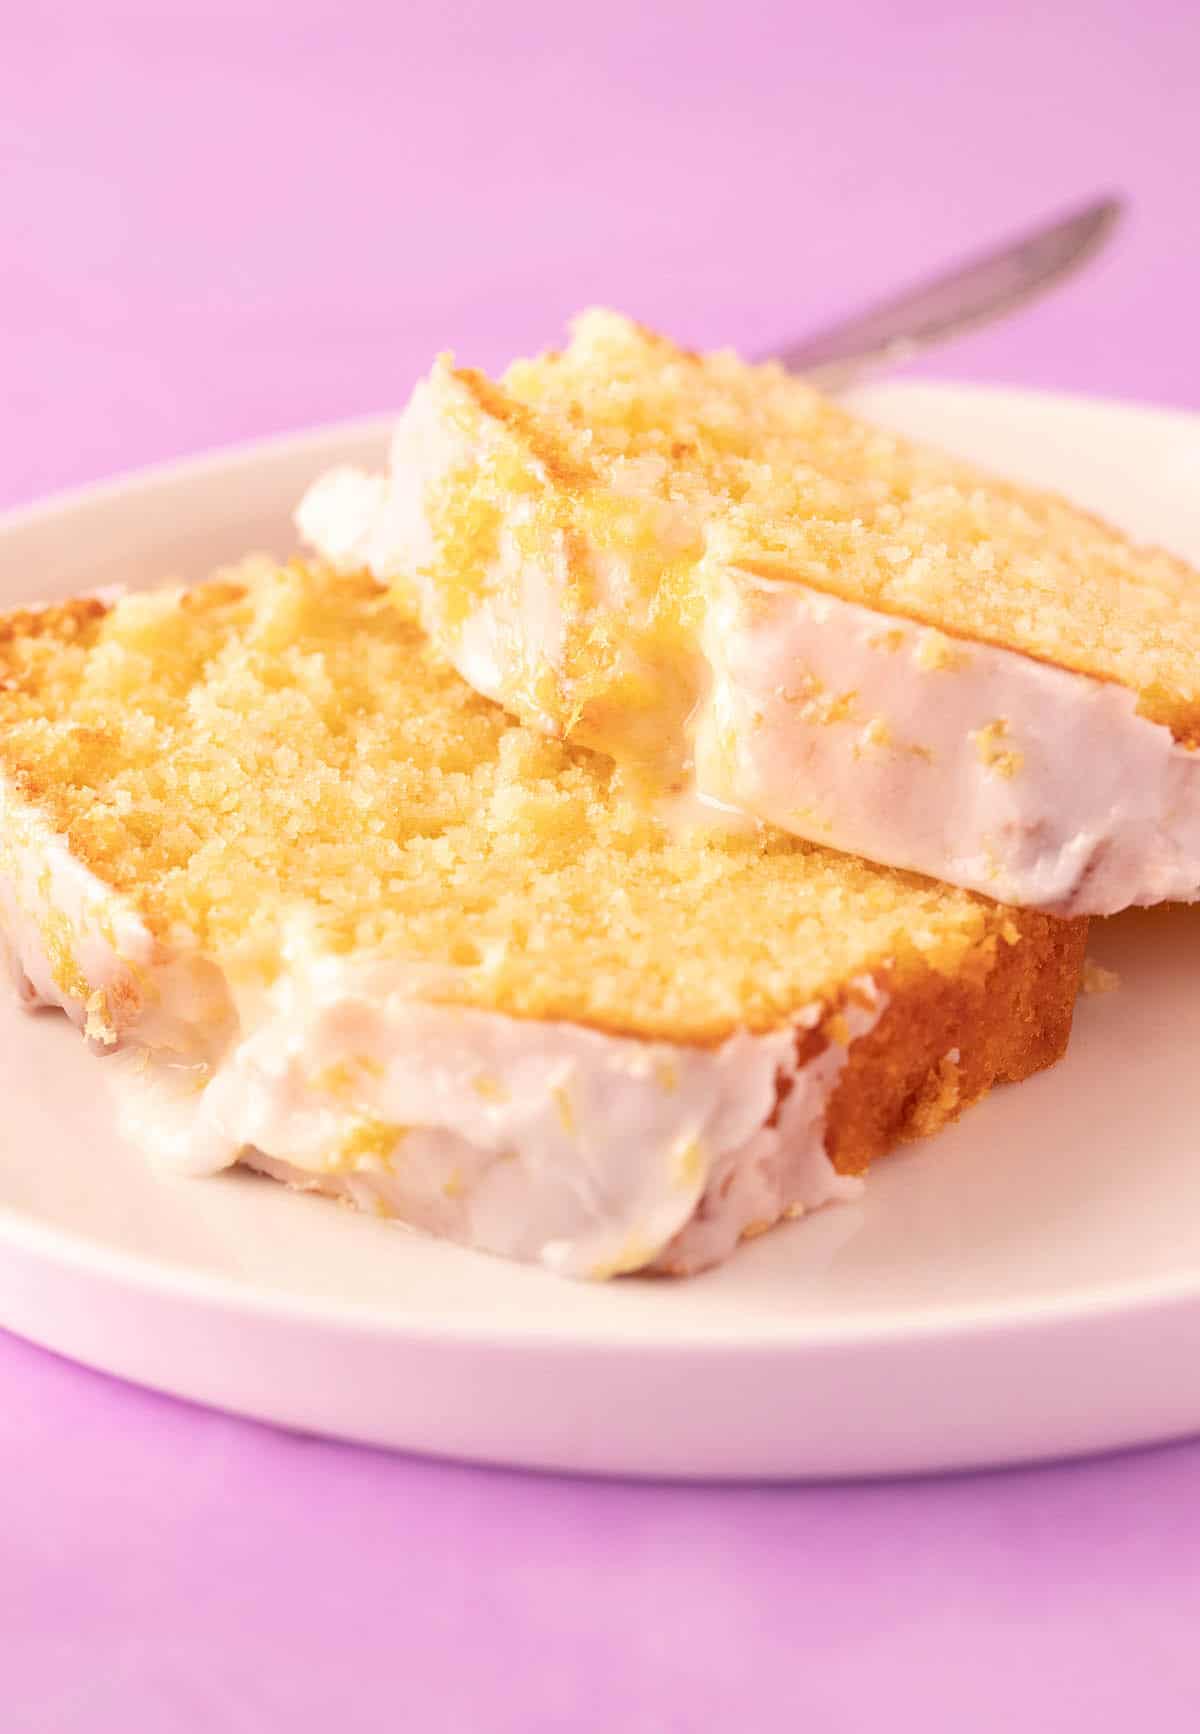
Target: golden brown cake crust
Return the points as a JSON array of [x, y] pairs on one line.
[[942, 1043], [61, 620]]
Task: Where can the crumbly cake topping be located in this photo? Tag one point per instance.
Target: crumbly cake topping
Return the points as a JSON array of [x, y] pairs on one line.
[[277, 757]]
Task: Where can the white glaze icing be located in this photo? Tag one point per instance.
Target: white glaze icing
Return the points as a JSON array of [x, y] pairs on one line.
[[73, 942], [971, 763], [356, 521], [586, 1152], [58, 923], [340, 513]]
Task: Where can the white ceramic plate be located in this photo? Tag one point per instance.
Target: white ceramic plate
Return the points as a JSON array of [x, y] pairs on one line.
[[1025, 1285]]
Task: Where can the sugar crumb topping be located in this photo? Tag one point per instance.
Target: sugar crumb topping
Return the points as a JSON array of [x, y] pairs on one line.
[[992, 746]]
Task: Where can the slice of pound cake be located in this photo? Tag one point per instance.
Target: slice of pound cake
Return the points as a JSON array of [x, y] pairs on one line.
[[726, 580], [335, 915]]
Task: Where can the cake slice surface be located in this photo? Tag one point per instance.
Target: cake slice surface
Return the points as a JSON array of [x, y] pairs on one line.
[[336, 915], [729, 582]]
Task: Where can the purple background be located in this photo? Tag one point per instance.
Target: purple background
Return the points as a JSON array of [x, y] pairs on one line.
[[228, 218]]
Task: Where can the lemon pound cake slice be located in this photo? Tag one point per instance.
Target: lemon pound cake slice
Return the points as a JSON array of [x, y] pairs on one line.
[[337, 916], [713, 572]]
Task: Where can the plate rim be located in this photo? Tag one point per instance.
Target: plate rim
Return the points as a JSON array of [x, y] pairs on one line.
[[1086, 1306]]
